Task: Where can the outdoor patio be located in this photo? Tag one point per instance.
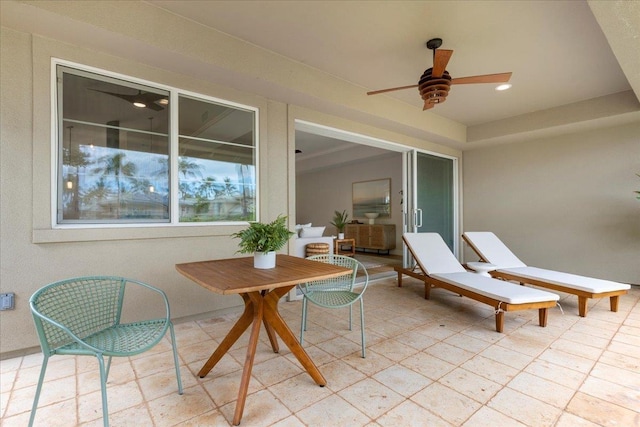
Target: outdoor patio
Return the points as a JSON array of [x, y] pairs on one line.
[[429, 363]]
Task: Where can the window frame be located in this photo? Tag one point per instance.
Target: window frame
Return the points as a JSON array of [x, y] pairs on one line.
[[174, 94]]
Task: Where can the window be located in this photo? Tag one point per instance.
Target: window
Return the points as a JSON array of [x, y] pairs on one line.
[[120, 160]]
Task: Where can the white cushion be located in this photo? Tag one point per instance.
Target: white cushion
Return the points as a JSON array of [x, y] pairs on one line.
[[312, 231], [299, 227], [431, 253], [492, 249], [496, 289], [582, 283]]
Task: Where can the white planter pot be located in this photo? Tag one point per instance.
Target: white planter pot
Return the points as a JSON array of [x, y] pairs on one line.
[[340, 235], [264, 260]]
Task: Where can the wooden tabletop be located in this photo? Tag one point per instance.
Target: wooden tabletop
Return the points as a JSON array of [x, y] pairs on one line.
[[237, 275]]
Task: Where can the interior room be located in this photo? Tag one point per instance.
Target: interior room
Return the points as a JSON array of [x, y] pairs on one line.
[[139, 138]]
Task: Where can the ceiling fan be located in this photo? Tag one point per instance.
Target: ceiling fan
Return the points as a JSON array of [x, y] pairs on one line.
[[435, 82], [141, 99]]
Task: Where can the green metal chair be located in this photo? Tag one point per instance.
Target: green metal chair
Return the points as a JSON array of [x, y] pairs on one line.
[[82, 316], [336, 292]]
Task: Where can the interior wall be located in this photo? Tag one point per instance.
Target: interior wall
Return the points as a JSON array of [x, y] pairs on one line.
[[320, 193], [565, 203]]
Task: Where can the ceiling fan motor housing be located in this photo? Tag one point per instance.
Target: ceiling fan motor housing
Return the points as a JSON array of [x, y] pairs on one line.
[[434, 90]]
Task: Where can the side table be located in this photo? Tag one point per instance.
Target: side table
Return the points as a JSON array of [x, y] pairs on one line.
[[337, 247], [482, 268]]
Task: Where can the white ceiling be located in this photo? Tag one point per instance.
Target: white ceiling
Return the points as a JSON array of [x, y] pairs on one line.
[[575, 63], [556, 50]]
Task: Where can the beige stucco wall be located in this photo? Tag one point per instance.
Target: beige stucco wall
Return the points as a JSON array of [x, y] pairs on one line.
[[564, 203]]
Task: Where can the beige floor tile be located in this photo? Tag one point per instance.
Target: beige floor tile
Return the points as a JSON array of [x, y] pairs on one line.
[[339, 347], [570, 347], [570, 420], [471, 385], [174, 409], [437, 331], [555, 373], [393, 350], [409, 413], [428, 365], [224, 389], [450, 353], [490, 369], [630, 363], [448, 404], [371, 397], [416, 340], [614, 374], [571, 361], [601, 412], [340, 375], [628, 397], [61, 414], [490, 417], [370, 365], [467, 342], [402, 380], [622, 348], [299, 392], [507, 357], [290, 421], [119, 397], [6, 381], [628, 339], [525, 409], [332, 411], [541, 389], [275, 370]]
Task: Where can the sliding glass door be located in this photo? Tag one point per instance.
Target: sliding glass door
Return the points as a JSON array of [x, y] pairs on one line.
[[431, 185]]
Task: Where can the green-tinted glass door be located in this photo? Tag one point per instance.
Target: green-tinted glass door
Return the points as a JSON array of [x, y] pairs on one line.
[[433, 189]]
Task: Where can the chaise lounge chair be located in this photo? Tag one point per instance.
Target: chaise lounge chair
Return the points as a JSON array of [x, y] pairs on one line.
[[441, 269], [492, 250]]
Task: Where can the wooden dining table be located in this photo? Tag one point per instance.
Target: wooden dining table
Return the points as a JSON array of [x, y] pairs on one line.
[[261, 290]]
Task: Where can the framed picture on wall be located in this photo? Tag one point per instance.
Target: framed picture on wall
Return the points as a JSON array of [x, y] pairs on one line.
[[372, 197]]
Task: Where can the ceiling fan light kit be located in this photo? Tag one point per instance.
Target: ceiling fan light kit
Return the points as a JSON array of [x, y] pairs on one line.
[[435, 82]]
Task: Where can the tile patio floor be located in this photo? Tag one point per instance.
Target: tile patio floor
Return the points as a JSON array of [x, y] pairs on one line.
[[429, 363]]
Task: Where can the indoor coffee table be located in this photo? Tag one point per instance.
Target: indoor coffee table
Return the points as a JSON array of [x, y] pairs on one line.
[[261, 290]]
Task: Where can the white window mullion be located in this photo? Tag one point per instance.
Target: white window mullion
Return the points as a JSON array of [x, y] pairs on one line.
[[174, 199]]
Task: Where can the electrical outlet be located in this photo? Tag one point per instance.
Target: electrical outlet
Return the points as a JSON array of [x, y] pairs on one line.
[[7, 301]]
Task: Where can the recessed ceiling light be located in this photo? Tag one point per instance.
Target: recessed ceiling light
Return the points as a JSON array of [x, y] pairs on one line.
[[139, 104], [163, 101], [504, 86]]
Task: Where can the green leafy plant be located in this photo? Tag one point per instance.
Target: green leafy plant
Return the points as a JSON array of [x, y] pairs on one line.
[[261, 237], [340, 220]]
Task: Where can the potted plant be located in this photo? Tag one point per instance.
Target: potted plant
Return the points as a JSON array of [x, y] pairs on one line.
[[263, 240], [339, 221]]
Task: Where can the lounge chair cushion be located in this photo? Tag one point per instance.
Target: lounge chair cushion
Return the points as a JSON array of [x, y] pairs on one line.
[[432, 254], [492, 249], [582, 283], [496, 289]]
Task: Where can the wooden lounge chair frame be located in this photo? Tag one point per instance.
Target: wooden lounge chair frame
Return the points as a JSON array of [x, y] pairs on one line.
[[500, 307], [583, 296]]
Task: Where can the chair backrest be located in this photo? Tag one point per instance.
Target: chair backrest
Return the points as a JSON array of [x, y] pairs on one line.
[[491, 249], [432, 253], [340, 283], [82, 306]]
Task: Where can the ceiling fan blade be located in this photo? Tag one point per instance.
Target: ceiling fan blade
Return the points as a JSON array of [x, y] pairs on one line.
[[427, 105], [375, 92], [485, 78], [440, 60]]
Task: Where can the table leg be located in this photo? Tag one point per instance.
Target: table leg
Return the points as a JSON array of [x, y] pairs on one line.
[[272, 316], [236, 331], [270, 332], [257, 301]]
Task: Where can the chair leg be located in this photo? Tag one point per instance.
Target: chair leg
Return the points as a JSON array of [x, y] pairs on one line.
[[350, 317], [106, 378], [303, 322], [103, 387], [175, 357], [362, 326], [38, 389]]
